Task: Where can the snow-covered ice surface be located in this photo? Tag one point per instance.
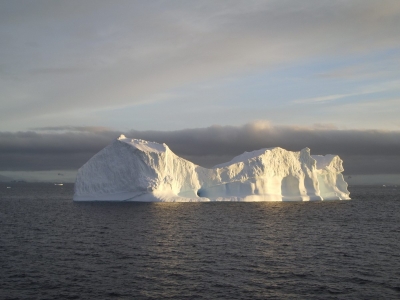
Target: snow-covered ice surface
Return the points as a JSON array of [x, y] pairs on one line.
[[138, 170]]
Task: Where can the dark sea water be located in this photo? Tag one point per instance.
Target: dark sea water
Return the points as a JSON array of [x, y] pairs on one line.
[[53, 248]]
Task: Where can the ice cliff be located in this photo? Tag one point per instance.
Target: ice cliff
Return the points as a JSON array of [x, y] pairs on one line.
[[138, 170]]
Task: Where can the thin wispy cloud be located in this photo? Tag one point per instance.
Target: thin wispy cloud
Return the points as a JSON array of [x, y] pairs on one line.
[[359, 72], [325, 98], [371, 89], [72, 128]]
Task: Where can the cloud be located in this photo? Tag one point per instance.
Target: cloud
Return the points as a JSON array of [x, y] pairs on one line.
[[72, 55], [391, 85], [363, 151], [363, 71], [72, 128], [324, 98]]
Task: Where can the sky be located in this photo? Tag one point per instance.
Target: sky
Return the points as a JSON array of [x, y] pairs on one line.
[[210, 78]]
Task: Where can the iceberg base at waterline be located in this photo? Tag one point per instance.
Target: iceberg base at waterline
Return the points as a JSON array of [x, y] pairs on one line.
[[138, 170]]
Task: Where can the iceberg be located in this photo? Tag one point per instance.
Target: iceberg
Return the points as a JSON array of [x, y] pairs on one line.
[[138, 170]]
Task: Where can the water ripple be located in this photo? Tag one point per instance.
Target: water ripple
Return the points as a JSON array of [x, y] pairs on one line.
[[53, 248]]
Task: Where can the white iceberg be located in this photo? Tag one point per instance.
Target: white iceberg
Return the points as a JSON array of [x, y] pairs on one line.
[[138, 170]]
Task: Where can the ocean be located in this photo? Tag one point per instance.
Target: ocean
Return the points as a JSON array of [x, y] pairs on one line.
[[53, 248]]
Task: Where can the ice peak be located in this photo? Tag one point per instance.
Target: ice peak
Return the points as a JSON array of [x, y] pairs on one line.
[[143, 145], [246, 156]]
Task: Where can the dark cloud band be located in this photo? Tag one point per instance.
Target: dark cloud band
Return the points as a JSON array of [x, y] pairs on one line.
[[364, 151]]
